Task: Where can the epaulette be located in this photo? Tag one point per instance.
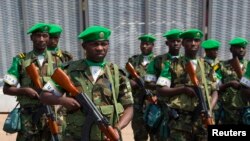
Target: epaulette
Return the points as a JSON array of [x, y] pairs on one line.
[[59, 53], [66, 53], [21, 55]]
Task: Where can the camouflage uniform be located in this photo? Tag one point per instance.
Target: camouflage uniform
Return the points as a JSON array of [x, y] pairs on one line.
[[188, 126], [231, 99], [215, 68], [30, 107], [100, 91], [138, 124]]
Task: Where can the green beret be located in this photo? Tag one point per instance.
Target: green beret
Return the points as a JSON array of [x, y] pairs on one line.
[[55, 30], [192, 33], [239, 42], [210, 44], [39, 27], [94, 33], [172, 34], [147, 38]]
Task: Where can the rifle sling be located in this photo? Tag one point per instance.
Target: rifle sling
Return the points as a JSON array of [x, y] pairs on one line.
[[201, 64]]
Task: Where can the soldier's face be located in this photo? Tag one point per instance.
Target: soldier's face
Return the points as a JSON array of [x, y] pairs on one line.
[[40, 40], [96, 50], [53, 42], [191, 45], [211, 53], [146, 47], [174, 44], [240, 52]]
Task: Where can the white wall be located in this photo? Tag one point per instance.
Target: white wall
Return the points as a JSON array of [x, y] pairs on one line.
[[7, 103]]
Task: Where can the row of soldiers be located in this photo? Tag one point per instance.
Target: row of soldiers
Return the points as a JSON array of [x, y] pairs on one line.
[[225, 91], [103, 82], [115, 95]]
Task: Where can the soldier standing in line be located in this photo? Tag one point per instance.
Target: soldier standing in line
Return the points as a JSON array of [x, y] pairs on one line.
[[60, 56], [245, 92], [140, 62], [27, 95], [211, 48], [173, 41], [101, 81], [176, 86], [232, 101]]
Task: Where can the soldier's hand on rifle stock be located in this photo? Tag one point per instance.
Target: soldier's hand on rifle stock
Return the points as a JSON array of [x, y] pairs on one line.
[[189, 91], [69, 103], [31, 93]]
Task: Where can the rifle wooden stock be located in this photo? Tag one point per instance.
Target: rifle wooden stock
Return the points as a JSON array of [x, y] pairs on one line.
[[35, 77], [235, 63], [141, 83], [205, 116], [64, 81]]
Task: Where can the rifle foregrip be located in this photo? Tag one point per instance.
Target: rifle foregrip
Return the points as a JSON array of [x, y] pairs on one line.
[[110, 133], [53, 127]]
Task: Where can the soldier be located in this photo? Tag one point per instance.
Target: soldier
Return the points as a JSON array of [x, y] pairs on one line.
[[245, 92], [140, 63], [60, 56], [211, 47], [232, 101], [175, 84], [155, 67], [101, 81], [34, 128]]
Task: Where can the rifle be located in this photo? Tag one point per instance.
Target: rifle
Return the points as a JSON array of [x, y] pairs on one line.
[[235, 63], [33, 74], [205, 116], [93, 114], [141, 84]]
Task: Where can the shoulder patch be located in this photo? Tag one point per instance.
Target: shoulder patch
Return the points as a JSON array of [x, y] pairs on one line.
[[68, 54], [21, 55]]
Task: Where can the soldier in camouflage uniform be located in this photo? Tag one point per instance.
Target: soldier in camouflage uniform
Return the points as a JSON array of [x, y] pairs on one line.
[[175, 84], [33, 129], [211, 47], [106, 86], [232, 101], [173, 41], [140, 63], [59, 56], [245, 92], [155, 67]]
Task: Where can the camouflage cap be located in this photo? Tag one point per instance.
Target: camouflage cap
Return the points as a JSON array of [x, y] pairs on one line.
[[210, 44], [147, 38], [238, 42], [173, 34], [55, 30], [39, 27], [94, 33], [192, 33]]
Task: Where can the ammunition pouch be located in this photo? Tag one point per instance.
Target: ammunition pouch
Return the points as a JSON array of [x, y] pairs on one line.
[[246, 115]]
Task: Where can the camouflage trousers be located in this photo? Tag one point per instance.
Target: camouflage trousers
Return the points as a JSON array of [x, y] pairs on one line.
[[232, 116], [139, 127], [33, 132], [185, 129]]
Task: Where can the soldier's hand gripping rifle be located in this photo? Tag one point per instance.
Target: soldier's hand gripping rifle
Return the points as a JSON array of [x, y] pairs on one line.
[[93, 114], [140, 82], [34, 76], [235, 63], [205, 115]]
